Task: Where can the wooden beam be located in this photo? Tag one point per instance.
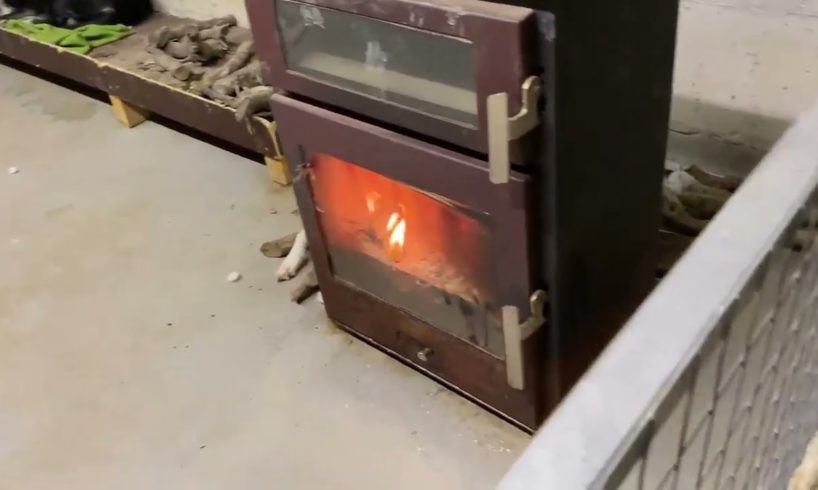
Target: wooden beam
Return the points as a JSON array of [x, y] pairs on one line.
[[277, 163], [126, 113], [279, 170]]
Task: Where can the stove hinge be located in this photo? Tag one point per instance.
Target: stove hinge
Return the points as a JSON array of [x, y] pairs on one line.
[[503, 129], [514, 333]]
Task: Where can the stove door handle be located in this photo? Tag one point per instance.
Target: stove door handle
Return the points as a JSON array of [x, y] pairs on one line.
[[503, 129], [514, 333]]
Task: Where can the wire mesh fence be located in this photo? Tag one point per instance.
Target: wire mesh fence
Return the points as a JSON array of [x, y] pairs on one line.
[[712, 384], [745, 408]]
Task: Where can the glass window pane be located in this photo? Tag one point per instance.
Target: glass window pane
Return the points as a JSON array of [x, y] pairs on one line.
[[421, 70], [411, 249]]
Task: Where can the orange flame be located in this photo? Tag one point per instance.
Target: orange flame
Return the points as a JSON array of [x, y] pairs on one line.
[[397, 237], [393, 220]]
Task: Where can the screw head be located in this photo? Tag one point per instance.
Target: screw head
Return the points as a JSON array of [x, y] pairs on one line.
[[424, 354]]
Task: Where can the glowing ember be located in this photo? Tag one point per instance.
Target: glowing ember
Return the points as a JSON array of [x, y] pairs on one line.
[[397, 237]]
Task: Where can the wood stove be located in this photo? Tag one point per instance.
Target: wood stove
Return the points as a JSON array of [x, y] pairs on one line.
[[415, 249], [422, 140]]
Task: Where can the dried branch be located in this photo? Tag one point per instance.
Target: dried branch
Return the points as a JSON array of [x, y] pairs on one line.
[[253, 101], [179, 70], [236, 61], [279, 248], [182, 49]]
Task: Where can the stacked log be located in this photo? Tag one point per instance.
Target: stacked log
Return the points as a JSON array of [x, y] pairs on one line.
[[209, 61]]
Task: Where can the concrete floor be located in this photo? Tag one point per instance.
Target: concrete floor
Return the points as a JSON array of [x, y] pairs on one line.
[[128, 362]]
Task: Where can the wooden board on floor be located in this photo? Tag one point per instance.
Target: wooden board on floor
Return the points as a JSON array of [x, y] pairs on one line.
[[136, 92]]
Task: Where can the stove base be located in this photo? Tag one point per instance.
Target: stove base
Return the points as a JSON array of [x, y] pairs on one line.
[[455, 363]]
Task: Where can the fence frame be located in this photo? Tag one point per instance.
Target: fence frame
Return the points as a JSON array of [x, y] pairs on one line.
[[600, 428]]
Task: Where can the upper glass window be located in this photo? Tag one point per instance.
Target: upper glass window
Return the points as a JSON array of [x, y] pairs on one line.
[[420, 70]]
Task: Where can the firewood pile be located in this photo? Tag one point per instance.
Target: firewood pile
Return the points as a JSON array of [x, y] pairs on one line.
[[209, 59], [692, 197]]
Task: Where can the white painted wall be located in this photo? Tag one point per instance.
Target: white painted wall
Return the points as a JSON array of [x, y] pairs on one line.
[[203, 9], [744, 70]]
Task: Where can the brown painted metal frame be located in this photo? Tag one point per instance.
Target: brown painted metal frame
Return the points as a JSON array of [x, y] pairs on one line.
[[307, 130], [501, 35]]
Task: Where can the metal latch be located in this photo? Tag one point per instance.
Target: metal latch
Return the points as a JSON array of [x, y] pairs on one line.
[[514, 333], [502, 129]]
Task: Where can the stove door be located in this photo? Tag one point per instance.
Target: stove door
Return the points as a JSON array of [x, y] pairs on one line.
[[425, 66], [416, 250]]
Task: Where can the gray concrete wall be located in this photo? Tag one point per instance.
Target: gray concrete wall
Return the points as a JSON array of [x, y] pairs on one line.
[[744, 70]]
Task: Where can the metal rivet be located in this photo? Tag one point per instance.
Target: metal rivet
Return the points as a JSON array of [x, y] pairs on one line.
[[424, 354]]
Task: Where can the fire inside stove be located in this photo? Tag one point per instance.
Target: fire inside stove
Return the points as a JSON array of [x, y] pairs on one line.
[[414, 250]]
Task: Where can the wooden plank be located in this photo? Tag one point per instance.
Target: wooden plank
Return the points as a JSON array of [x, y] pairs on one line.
[[195, 112], [134, 94], [127, 114], [279, 170], [277, 164], [76, 67]]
